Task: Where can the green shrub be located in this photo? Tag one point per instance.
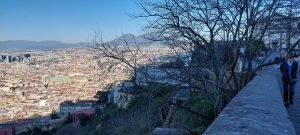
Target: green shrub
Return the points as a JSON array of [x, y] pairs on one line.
[[193, 123], [34, 116], [68, 120], [108, 112], [54, 115], [84, 119]]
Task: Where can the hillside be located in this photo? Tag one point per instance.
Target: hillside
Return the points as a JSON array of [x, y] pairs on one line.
[[26, 44]]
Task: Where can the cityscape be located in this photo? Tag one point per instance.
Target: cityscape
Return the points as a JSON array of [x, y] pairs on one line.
[[138, 67], [44, 79], [37, 82]]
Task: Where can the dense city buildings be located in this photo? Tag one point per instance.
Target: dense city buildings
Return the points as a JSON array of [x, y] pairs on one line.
[[38, 82], [39, 85]]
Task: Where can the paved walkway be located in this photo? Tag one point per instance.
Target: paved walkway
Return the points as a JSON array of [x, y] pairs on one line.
[[294, 109]]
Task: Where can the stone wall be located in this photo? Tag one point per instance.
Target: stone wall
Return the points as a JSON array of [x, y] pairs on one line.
[[257, 110]]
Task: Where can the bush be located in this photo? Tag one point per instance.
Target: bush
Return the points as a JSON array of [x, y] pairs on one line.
[[186, 120], [108, 112], [54, 115], [38, 131], [84, 119], [68, 120], [35, 116], [102, 96]]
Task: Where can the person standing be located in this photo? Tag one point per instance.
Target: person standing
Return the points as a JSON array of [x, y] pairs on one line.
[[288, 70]]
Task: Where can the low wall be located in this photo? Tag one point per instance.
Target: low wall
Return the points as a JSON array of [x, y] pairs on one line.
[[257, 110]]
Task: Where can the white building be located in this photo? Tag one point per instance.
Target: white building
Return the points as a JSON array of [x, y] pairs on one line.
[[69, 107], [42, 103], [5, 88], [280, 31]]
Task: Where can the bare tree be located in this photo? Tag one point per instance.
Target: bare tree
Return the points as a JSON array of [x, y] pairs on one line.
[[211, 35], [215, 30], [132, 55]]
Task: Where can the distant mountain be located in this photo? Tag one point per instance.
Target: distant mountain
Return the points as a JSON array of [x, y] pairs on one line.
[[26, 44], [141, 40]]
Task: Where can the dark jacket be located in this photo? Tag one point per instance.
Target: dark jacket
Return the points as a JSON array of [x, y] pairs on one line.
[[285, 71]]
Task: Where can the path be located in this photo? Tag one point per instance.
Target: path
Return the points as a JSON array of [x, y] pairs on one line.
[[294, 109]]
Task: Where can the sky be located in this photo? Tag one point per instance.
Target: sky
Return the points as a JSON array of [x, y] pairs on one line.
[[67, 21]]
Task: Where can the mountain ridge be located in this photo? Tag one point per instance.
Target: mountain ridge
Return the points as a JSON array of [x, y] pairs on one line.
[[28, 44], [131, 39]]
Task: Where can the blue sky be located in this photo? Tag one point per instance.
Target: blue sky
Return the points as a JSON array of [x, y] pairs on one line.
[[67, 20]]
